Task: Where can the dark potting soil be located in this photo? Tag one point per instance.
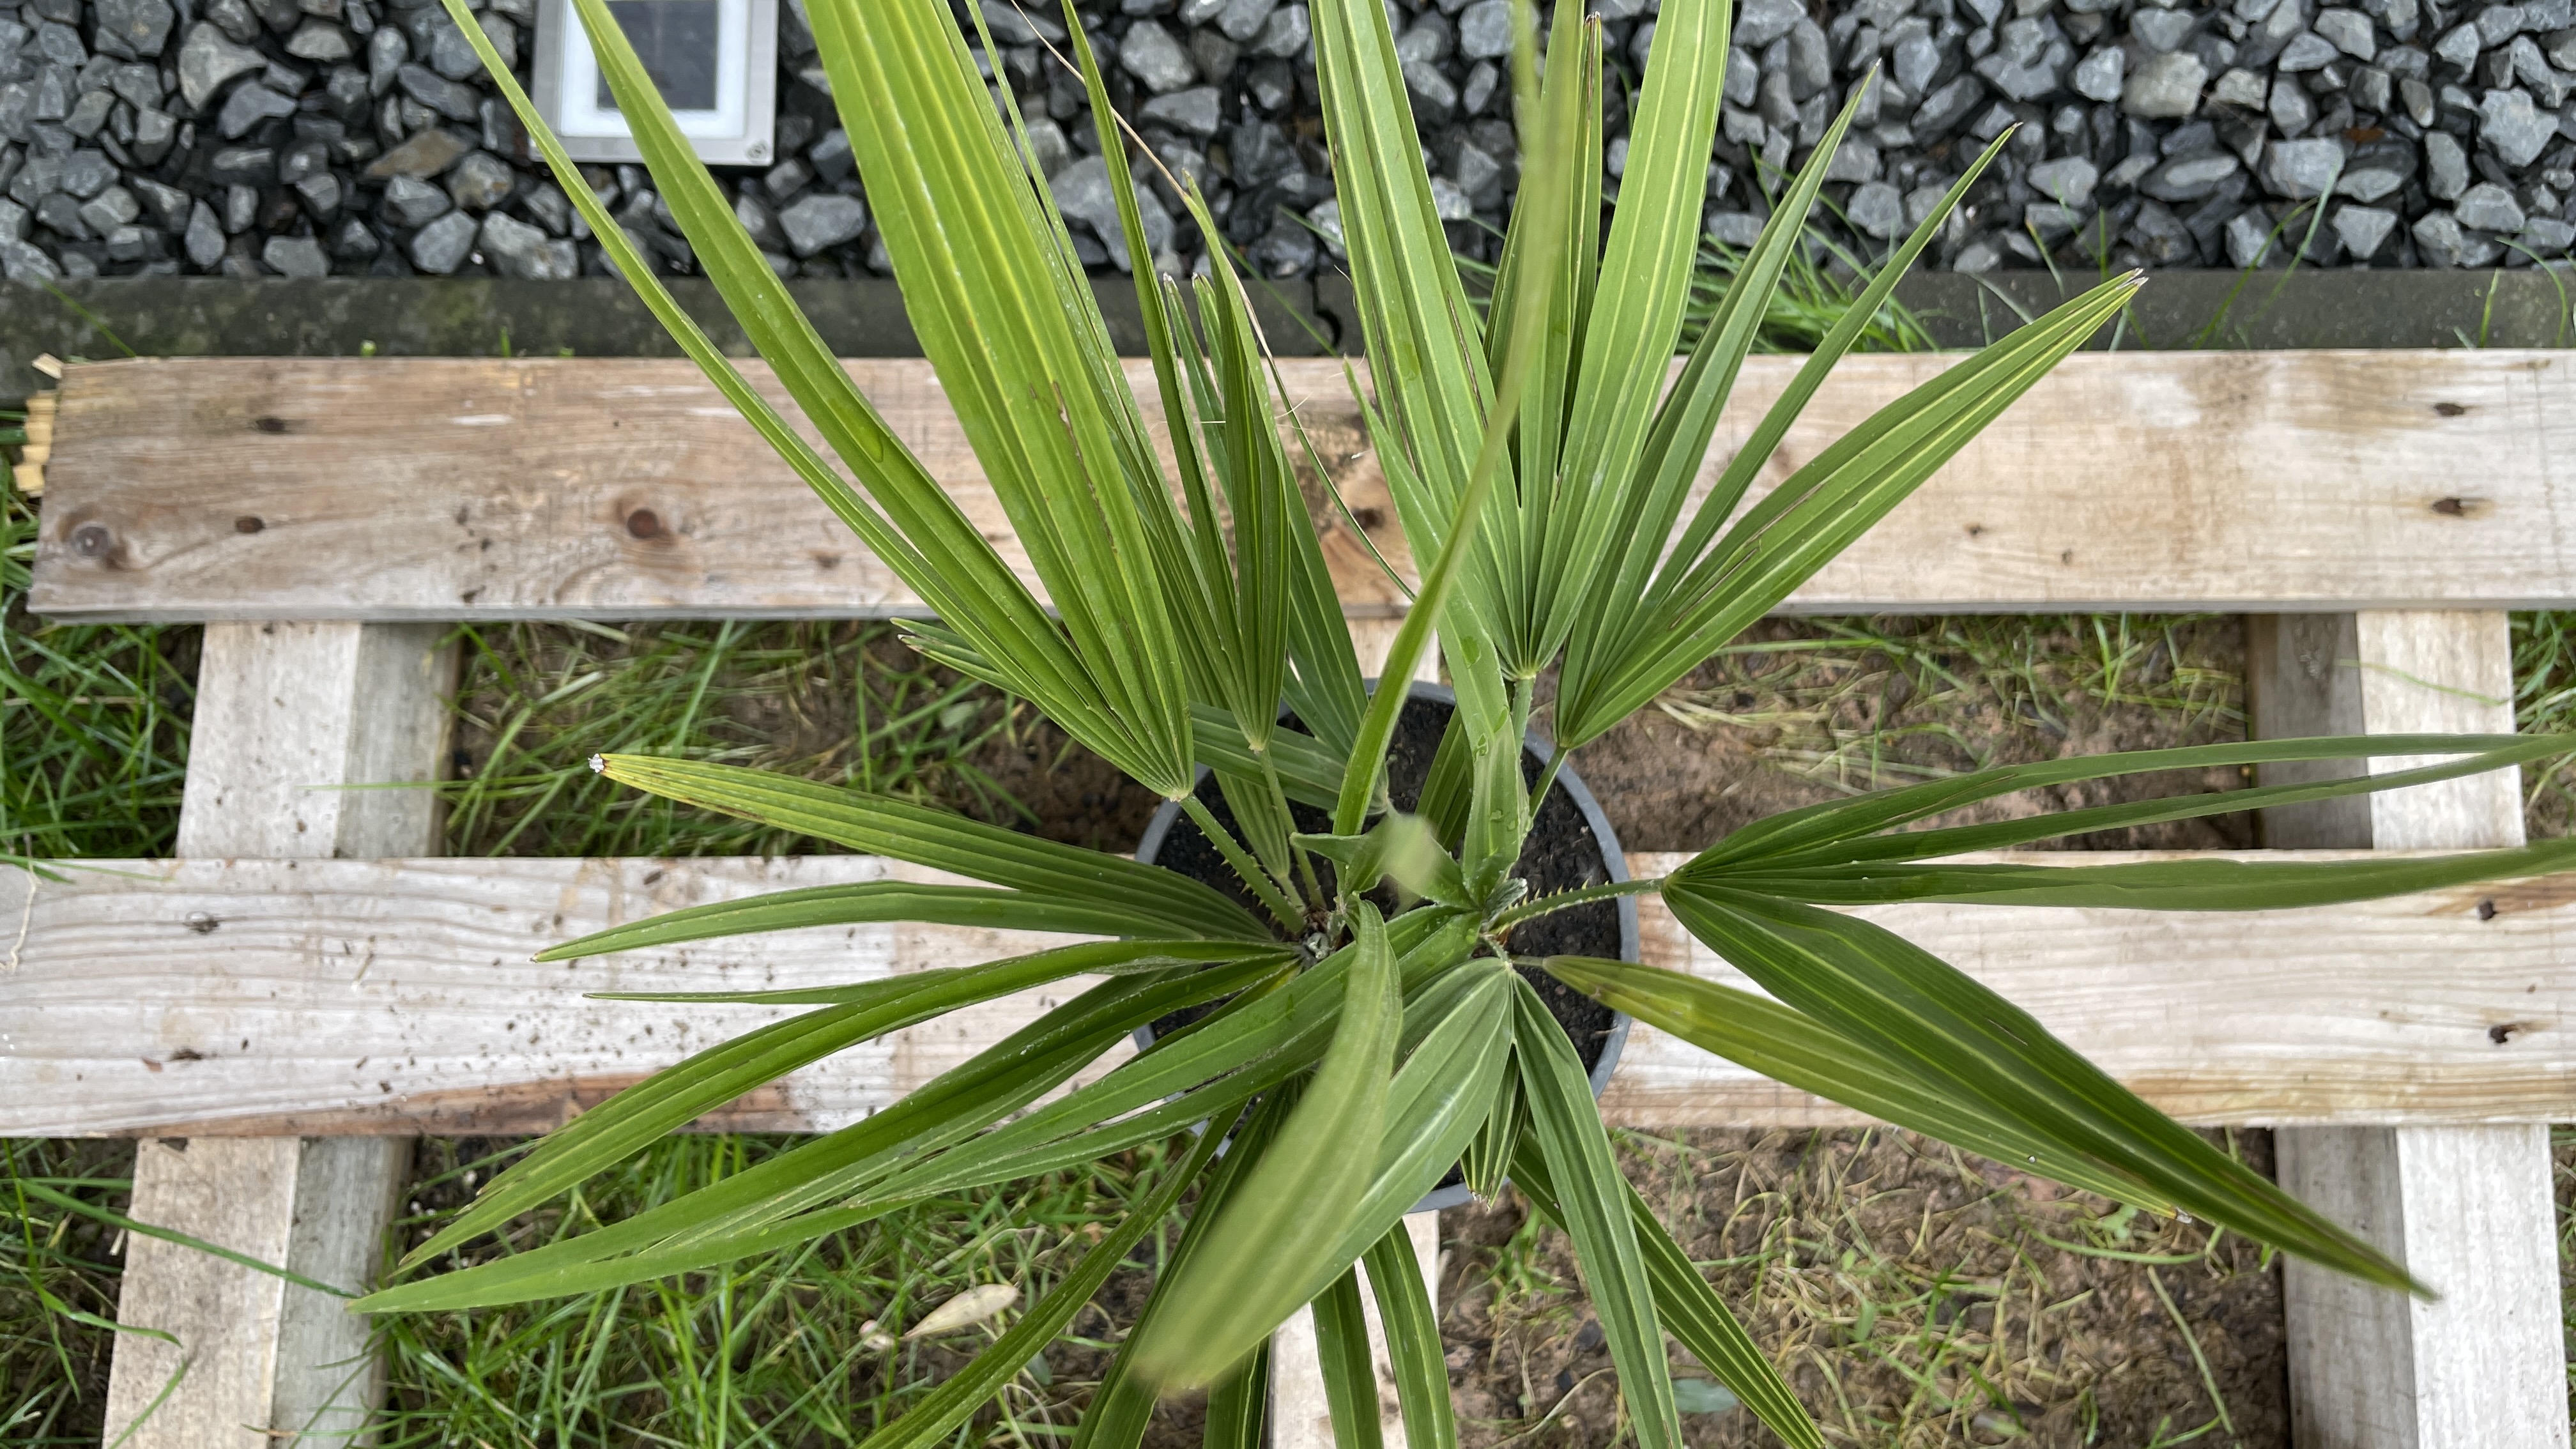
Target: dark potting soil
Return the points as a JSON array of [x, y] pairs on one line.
[[1562, 853]]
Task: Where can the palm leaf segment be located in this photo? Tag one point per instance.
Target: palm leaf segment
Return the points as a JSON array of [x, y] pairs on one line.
[[1539, 460]]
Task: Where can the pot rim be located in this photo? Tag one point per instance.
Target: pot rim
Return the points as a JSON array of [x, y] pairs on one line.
[[1614, 860]]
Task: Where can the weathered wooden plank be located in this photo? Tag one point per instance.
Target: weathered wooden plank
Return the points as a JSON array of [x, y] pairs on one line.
[[2467, 1209], [345, 996], [221, 1374], [2379, 1012], [284, 713], [265, 488], [600, 488]]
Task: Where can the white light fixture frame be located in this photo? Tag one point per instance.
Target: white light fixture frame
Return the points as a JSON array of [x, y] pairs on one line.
[[738, 131]]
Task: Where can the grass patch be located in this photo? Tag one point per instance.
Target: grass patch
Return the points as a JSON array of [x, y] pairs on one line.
[[802, 1347], [2544, 701], [1861, 703], [2562, 1153], [1816, 290], [837, 701], [58, 1273]]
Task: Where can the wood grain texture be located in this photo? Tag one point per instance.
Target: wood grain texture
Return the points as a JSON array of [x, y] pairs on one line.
[[285, 712], [2434, 672], [2467, 1209], [236, 1193], [2303, 677], [330, 1378], [625, 488], [396, 996]]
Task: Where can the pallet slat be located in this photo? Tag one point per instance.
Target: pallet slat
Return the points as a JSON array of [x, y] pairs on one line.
[[2466, 1209], [341, 996], [625, 488], [284, 711]]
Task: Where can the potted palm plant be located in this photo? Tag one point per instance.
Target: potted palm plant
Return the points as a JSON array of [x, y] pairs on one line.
[[1353, 1016]]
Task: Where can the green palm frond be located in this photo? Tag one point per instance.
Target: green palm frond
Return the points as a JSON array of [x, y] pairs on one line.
[[1355, 1033]]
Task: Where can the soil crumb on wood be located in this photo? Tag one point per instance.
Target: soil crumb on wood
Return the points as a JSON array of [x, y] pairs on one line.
[[1910, 1294]]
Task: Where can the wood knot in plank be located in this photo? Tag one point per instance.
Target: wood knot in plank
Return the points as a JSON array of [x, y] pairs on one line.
[[94, 540]]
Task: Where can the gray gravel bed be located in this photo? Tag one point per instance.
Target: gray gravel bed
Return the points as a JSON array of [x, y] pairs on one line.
[[306, 138]]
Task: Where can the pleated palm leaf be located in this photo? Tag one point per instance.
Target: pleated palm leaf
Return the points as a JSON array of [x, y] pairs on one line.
[[1542, 464]]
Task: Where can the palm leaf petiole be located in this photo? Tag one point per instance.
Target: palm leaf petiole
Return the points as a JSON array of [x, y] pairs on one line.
[[1305, 860], [1548, 905], [1256, 877]]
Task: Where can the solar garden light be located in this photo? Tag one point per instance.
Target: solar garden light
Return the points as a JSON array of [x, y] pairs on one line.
[[714, 61]]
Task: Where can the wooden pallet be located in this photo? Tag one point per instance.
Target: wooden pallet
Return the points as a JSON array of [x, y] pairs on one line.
[[302, 970]]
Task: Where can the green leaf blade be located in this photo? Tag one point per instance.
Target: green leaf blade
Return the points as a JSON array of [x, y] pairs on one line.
[[758, 1209], [863, 903], [1412, 1341], [1020, 352], [907, 518], [2158, 885], [1345, 1364], [935, 838], [1796, 1050], [1291, 1212], [1700, 603], [1954, 1033], [1565, 1130], [957, 1398], [1692, 1312], [1844, 831], [1635, 315]]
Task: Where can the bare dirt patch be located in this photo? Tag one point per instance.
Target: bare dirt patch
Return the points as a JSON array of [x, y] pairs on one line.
[[1911, 1295], [1805, 710]]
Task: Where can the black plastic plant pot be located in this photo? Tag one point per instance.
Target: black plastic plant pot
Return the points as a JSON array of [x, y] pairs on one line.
[[1570, 845]]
